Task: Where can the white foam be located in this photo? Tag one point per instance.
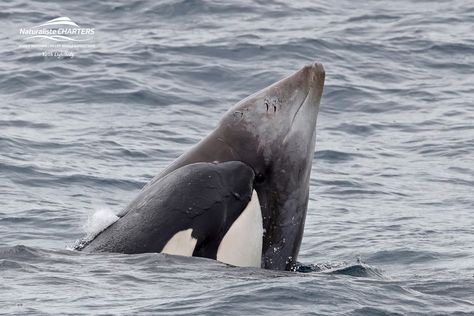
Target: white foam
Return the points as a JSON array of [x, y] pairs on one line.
[[97, 221]]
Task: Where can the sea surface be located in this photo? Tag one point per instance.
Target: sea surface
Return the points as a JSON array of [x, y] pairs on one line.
[[389, 228]]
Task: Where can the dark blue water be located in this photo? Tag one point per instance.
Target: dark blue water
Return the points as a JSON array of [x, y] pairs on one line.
[[389, 228]]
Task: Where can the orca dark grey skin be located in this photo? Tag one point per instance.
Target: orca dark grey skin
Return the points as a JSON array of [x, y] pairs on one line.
[[273, 132], [195, 206]]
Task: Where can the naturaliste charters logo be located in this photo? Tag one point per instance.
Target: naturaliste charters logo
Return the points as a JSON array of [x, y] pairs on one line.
[[57, 37], [59, 29]]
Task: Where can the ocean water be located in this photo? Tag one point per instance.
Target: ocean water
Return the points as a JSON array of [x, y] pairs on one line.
[[389, 228]]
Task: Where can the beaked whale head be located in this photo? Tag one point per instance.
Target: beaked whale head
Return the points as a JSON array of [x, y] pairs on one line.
[[274, 132]]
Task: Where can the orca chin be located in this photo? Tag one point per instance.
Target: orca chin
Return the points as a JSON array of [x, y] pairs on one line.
[[241, 194]]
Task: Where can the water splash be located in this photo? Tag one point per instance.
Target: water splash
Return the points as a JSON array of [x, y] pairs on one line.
[[97, 222], [358, 269]]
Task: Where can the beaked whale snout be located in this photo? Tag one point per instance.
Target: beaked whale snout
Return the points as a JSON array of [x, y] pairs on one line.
[[251, 208]]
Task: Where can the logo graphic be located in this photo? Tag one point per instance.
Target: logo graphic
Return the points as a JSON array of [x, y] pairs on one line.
[[64, 20], [57, 37]]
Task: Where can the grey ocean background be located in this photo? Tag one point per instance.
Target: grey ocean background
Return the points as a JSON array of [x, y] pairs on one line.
[[389, 228]]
